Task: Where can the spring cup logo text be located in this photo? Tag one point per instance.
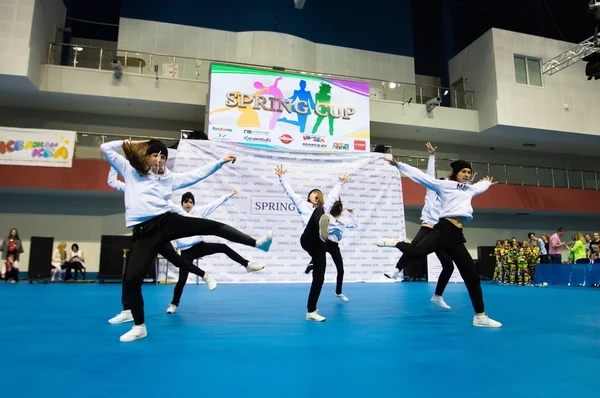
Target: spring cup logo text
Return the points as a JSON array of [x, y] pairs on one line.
[[271, 104]]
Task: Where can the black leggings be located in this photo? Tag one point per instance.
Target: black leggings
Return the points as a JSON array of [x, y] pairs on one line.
[[449, 238], [315, 247], [154, 236], [445, 260], [200, 250], [333, 248]]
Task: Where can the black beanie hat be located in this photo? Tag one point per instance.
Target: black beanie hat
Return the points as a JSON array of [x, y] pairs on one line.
[[188, 195], [458, 165], [156, 146]]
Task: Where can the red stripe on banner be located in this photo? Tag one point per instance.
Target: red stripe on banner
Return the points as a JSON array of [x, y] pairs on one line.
[[91, 175], [84, 175]]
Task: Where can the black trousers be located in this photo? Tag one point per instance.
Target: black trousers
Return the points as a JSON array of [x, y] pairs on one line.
[[12, 274], [449, 238], [315, 247], [445, 260], [154, 236], [200, 250], [333, 248]]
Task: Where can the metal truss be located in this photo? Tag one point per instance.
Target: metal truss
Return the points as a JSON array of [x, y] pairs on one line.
[[572, 55]]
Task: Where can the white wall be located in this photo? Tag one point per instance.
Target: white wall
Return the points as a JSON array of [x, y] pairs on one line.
[[16, 17], [476, 66], [543, 107], [48, 16], [261, 48], [26, 29]]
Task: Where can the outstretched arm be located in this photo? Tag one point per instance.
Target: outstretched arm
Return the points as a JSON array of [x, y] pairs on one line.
[[483, 185], [206, 210], [417, 175], [184, 180], [431, 161], [113, 181], [295, 198], [334, 195]]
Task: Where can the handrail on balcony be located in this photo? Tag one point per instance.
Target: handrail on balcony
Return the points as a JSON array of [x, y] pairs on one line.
[[145, 61], [538, 176]]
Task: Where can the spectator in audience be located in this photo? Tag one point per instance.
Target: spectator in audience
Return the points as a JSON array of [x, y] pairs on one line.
[[588, 240], [498, 270], [76, 262], [505, 255], [12, 245], [594, 242], [577, 252], [522, 264], [546, 240], [596, 253], [556, 246], [538, 243], [10, 269], [59, 258]]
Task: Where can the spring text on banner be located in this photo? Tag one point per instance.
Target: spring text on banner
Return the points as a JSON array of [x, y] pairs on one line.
[[375, 192]]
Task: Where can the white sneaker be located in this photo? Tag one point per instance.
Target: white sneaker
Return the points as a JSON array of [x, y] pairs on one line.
[[392, 274], [122, 317], [485, 322], [264, 243], [440, 301], [136, 333], [210, 281], [342, 297], [387, 242], [172, 309], [253, 267], [324, 227], [314, 316]]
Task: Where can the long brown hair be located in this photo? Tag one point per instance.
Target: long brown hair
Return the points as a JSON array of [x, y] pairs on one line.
[[16, 237], [579, 236], [137, 156], [337, 208]]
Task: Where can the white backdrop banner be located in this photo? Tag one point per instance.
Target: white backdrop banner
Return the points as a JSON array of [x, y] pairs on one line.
[[274, 109], [434, 268], [36, 147], [375, 192]]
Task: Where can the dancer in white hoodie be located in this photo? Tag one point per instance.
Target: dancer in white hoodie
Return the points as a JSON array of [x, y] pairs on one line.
[[148, 187]]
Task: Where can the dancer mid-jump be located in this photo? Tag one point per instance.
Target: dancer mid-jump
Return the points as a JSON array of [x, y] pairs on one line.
[[316, 232], [456, 194], [195, 247], [315, 199], [430, 217], [338, 222], [148, 187]]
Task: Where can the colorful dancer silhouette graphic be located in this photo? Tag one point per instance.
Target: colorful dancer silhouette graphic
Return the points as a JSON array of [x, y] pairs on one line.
[[275, 92], [323, 97], [302, 95]]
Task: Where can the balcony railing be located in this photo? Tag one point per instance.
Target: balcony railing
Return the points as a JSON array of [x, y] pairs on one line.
[[87, 146], [514, 174], [175, 67]]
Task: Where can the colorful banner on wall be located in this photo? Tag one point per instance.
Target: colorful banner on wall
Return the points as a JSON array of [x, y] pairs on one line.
[[271, 109], [375, 193], [36, 147]]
